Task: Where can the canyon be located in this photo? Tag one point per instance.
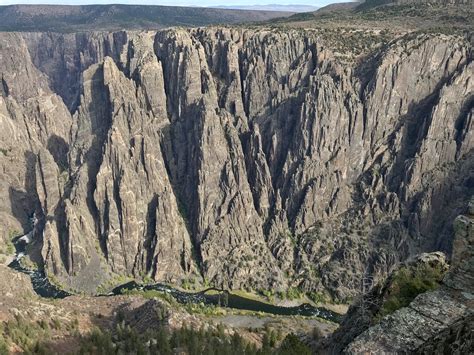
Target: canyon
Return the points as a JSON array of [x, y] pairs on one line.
[[232, 178], [243, 158]]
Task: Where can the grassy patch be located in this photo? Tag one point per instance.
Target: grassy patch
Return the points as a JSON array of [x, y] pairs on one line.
[[13, 233], [10, 250], [251, 296], [7, 247], [318, 297], [293, 293], [113, 282], [204, 309], [212, 292], [28, 264], [151, 294], [55, 282]]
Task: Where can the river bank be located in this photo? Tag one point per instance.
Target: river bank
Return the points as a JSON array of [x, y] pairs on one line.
[[76, 316], [210, 296]]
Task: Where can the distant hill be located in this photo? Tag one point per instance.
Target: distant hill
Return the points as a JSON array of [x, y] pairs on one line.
[[115, 17], [373, 3], [272, 7], [341, 6], [394, 16]]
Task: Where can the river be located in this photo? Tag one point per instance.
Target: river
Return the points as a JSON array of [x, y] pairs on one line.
[[44, 288]]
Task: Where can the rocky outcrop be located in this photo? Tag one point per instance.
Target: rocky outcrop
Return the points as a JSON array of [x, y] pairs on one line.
[[244, 158], [376, 302], [435, 322]]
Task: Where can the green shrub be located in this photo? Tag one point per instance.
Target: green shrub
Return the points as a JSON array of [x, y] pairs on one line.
[[13, 233], [10, 248], [3, 346], [293, 293], [269, 294], [43, 324], [317, 297], [29, 336], [55, 324], [293, 345], [408, 283], [97, 342]]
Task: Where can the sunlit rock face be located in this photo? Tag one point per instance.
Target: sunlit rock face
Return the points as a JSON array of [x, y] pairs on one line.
[[242, 158]]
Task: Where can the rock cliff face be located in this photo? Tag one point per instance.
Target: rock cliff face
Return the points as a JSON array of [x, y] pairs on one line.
[[244, 158], [441, 321]]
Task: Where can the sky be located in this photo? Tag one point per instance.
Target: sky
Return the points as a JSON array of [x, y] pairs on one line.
[[175, 2]]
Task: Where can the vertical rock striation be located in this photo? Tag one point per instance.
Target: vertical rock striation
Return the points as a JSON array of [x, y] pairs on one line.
[[246, 158]]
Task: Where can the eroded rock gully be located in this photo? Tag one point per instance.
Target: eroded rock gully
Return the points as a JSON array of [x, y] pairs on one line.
[[245, 158]]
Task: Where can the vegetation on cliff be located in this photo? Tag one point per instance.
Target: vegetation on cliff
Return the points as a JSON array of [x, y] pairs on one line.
[[407, 283]]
